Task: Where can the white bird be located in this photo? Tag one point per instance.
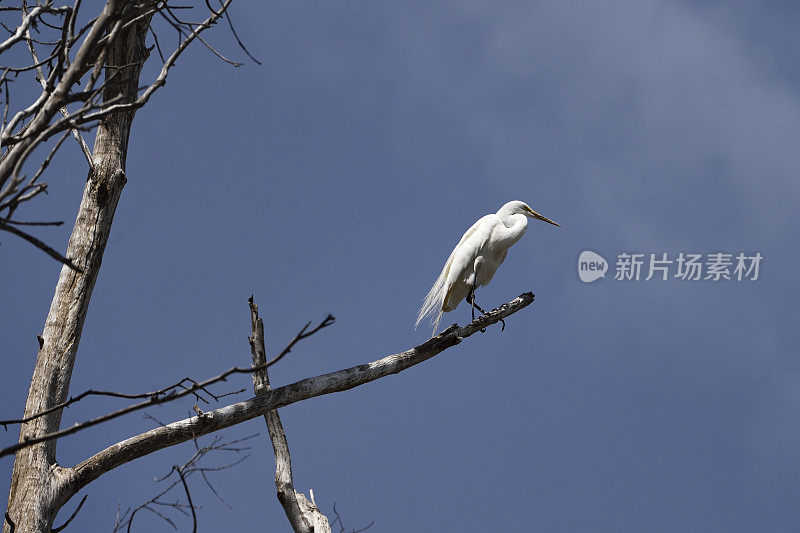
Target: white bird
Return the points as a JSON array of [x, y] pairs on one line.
[[476, 258]]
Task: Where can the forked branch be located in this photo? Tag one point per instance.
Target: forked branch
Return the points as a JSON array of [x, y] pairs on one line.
[[74, 94], [173, 392], [209, 422], [303, 514]]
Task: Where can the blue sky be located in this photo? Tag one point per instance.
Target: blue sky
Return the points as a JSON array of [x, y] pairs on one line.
[[337, 177]]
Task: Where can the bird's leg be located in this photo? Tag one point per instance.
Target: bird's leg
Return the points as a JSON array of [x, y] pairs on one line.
[[471, 299]]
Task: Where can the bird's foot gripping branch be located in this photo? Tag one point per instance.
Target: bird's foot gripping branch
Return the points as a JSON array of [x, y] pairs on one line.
[[492, 317]]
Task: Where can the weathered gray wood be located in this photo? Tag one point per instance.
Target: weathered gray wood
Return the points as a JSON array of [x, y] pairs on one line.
[[303, 515], [37, 482], [52, 103], [184, 430]]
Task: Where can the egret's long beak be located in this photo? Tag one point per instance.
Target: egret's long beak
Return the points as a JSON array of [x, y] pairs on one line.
[[540, 217]]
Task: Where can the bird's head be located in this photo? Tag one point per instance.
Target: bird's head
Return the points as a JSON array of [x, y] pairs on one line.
[[517, 207]]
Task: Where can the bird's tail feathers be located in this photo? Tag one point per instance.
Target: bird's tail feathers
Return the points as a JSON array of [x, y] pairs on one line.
[[431, 306], [433, 302]]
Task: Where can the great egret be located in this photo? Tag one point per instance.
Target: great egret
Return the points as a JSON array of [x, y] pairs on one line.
[[476, 258]]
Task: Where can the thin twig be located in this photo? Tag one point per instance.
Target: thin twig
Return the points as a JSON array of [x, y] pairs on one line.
[[188, 497], [60, 51], [338, 520], [218, 54], [74, 513], [35, 124], [187, 469], [31, 189], [195, 389], [236, 36], [161, 80], [23, 27], [40, 245], [158, 46], [303, 334], [21, 223], [155, 399]]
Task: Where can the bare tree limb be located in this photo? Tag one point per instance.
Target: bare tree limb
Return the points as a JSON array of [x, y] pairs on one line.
[[87, 153], [40, 245], [188, 497], [125, 520], [187, 429], [303, 515], [303, 334], [50, 105], [68, 60], [161, 79], [164, 395], [23, 223], [30, 190], [236, 36], [26, 440], [339, 520], [23, 27]]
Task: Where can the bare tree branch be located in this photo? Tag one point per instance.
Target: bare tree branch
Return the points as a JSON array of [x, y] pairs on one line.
[[236, 36], [161, 80], [50, 105], [22, 223], [39, 244], [164, 395], [125, 520], [69, 22], [32, 188], [67, 61], [73, 515], [187, 429], [195, 388], [303, 334], [339, 520], [188, 497], [23, 27], [303, 515]]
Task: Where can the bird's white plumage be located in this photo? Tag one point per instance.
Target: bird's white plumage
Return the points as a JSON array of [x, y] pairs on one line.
[[476, 257]]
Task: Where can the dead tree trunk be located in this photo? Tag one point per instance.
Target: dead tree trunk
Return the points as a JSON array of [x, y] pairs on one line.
[[37, 483]]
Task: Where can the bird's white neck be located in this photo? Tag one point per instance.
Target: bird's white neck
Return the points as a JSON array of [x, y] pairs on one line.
[[514, 227]]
